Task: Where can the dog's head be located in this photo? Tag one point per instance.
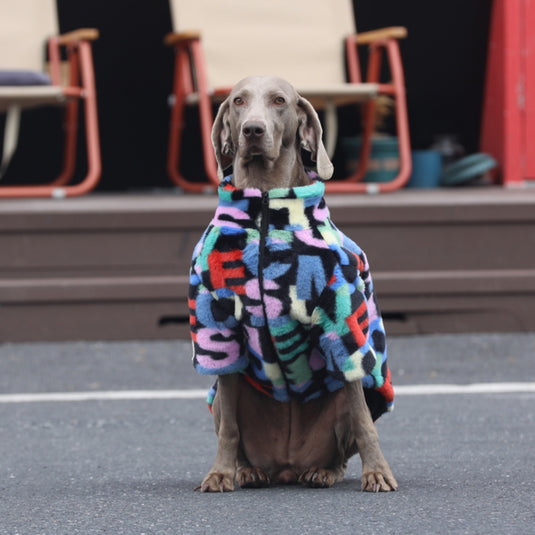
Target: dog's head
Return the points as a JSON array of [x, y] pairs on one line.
[[262, 117]]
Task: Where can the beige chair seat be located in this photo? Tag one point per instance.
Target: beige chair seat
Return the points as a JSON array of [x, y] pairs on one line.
[[318, 95], [30, 96]]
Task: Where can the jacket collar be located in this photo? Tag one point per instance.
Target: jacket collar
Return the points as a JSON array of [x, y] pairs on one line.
[[246, 204]]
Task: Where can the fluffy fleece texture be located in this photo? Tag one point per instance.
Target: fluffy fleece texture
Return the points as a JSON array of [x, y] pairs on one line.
[[279, 294]]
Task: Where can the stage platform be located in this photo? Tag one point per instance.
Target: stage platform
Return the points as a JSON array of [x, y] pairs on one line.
[[115, 266]]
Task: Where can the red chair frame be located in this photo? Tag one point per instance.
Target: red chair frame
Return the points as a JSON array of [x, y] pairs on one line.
[[81, 88]]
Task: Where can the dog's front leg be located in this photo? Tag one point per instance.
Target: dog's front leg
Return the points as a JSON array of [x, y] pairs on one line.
[[376, 474], [223, 472]]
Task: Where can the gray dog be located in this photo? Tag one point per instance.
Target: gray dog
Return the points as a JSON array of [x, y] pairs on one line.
[[283, 309]]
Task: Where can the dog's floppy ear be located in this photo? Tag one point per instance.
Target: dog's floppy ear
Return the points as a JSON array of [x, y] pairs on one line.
[[310, 132], [222, 139]]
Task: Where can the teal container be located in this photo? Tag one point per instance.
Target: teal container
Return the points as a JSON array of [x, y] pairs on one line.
[[384, 158], [426, 169]]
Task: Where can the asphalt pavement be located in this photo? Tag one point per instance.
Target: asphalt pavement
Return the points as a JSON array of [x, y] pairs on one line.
[[126, 458]]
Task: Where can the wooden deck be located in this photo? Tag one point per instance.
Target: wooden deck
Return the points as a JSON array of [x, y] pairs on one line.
[[107, 267]]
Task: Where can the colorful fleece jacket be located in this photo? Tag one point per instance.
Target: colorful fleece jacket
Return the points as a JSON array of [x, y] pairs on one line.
[[279, 294]]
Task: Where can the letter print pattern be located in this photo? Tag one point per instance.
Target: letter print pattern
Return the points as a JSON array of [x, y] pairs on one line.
[[298, 317]]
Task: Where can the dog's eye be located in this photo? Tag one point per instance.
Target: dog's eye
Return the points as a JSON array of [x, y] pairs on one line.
[[279, 100], [239, 101]]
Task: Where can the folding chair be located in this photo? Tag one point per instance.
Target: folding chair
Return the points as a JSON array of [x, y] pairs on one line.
[[309, 42], [26, 26]]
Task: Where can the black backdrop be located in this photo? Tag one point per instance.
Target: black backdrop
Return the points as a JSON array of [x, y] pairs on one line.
[[444, 59]]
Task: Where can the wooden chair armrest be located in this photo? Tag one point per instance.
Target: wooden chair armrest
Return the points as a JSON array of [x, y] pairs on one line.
[[174, 39], [393, 32], [82, 34]]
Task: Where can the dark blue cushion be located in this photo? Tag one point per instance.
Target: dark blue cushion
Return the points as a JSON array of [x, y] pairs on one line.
[[24, 78]]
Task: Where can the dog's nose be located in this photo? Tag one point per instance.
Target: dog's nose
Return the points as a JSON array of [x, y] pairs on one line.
[[253, 129]]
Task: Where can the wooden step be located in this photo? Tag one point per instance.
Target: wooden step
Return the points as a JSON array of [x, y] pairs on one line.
[[107, 267]]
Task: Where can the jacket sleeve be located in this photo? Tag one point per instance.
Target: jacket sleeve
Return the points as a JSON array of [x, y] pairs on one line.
[[218, 346], [352, 336]]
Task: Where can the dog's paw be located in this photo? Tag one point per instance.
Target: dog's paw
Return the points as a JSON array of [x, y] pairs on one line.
[[319, 478], [378, 481], [252, 477], [217, 482]]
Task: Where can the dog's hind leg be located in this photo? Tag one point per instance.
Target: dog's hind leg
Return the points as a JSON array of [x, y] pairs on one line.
[[326, 477], [250, 476], [322, 478]]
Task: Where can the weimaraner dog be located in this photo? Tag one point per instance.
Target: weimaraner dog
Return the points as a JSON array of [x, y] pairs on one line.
[[260, 130]]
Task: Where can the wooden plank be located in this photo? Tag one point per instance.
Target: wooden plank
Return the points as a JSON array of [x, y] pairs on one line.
[[455, 282], [107, 248], [99, 320], [95, 289]]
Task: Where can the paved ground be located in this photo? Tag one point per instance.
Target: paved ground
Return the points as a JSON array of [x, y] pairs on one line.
[[465, 462]]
